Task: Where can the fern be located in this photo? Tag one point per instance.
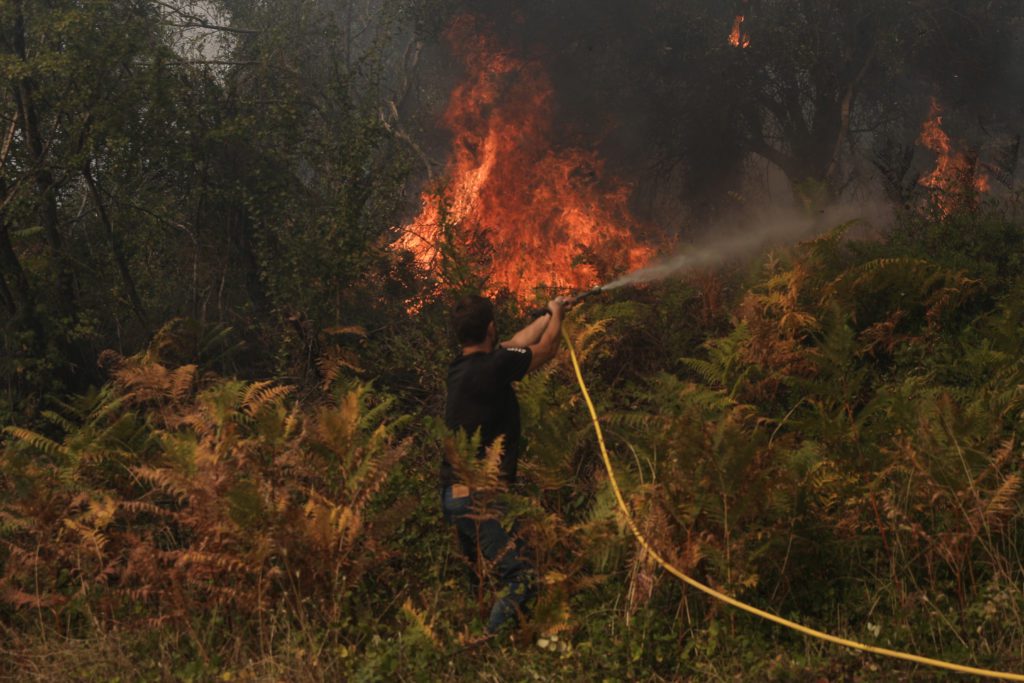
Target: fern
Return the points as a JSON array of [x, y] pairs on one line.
[[1001, 505], [420, 625], [333, 362], [711, 373], [261, 394], [181, 382], [38, 441], [58, 420], [165, 480]]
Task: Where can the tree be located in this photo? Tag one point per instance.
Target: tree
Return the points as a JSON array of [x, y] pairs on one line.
[[146, 175]]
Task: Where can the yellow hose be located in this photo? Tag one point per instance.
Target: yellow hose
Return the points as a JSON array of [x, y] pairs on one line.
[[896, 654]]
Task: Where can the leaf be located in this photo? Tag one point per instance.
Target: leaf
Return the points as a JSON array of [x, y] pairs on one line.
[[345, 329], [26, 233], [1002, 505], [419, 622], [261, 394], [182, 381], [43, 443]]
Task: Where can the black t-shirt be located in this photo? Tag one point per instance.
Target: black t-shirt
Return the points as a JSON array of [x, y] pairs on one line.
[[480, 396]]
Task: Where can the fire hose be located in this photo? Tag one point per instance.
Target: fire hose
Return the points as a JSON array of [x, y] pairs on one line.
[[682, 576]]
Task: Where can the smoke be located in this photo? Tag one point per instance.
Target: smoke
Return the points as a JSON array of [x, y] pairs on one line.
[[659, 93], [767, 228], [692, 127]]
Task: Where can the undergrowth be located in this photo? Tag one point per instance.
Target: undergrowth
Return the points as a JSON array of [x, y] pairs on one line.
[[832, 434]]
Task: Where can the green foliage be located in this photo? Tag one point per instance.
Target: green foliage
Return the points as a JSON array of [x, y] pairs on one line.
[[839, 444], [832, 433], [147, 178]]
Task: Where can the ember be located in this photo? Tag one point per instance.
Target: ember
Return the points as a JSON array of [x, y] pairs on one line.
[[542, 215]]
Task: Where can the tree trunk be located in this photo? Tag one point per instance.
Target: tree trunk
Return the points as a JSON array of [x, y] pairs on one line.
[[19, 295], [115, 247], [45, 185], [242, 233]]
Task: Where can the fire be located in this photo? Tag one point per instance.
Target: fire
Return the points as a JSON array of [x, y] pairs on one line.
[[739, 37], [955, 181], [535, 214]]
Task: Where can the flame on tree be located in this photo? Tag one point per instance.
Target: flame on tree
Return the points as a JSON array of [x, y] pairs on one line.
[[956, 181], [536, 214], [738, 37]]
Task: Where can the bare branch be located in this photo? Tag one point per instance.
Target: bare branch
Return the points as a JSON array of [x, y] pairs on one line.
[[396, 130], [8, 140], [213, 62], [214, 27], [201, 22]]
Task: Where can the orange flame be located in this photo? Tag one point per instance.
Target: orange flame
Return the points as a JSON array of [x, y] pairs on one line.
[[955, 181], [534, 213], [739, 37]]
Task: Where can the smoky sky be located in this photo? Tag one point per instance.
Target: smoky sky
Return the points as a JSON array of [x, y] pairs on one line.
[[656, 88]]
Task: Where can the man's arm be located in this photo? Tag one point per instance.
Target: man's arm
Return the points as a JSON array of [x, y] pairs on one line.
[[545, 348], [529, 335]]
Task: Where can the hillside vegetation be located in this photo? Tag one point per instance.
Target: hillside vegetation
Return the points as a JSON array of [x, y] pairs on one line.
[[221, 383], [829, 432]]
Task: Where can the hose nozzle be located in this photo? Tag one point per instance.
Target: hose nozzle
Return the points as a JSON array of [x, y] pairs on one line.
[[538, 312], [590, 292]]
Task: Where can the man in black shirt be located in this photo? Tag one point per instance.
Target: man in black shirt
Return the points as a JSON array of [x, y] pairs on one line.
[[481, 398]]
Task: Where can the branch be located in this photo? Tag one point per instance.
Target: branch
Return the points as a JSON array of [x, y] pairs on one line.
[[877, 125], [756, 143], [12, 192], [7, 297], [200, 22], [214, 27], [163, 219], [761, 148], [212, 62], [8, 140], [399, 133], [775, 107], [844, 112], [115, 245]]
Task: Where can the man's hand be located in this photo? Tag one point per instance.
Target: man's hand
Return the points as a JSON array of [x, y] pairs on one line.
[[559, 305], [531, 334], [544, 349]]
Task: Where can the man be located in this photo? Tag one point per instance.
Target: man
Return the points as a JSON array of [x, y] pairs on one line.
[[481, 397]]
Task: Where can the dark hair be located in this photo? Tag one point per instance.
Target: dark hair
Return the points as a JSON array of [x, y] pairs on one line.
[[470, 318]]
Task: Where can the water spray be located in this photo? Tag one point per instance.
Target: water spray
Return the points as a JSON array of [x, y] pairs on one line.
[[773, 228]]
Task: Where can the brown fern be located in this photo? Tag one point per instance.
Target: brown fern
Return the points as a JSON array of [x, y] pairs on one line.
[[261, 394]]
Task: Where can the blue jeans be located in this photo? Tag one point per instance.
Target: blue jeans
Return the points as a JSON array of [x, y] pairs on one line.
[[487, 537]]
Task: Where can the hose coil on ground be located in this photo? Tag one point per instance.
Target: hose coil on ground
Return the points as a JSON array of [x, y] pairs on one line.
[[679, 574]]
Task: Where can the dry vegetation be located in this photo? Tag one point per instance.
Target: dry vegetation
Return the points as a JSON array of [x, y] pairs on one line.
[[838, 443], [221, 379]]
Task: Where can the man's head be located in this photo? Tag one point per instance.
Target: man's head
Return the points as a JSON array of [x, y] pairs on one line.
[[473, 320]]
